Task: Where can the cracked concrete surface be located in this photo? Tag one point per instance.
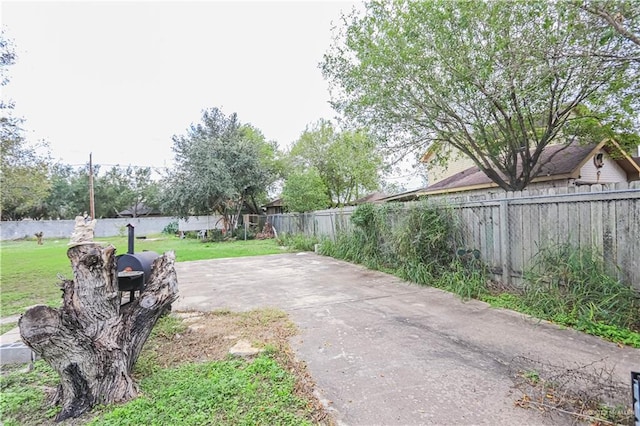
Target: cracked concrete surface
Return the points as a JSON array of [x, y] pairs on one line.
[[386, 352]]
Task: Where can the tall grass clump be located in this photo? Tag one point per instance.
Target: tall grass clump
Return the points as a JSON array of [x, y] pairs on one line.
[[424, 243], [574, 287], [298, 242], [416, 242], [467, 276], [370, 237], [363, 242]]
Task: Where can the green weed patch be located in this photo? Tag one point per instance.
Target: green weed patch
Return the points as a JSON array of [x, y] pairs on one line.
[[224, 392], [298, 242], [576, 286]]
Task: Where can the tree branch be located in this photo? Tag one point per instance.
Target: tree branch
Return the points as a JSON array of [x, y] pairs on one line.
[[614, 21]]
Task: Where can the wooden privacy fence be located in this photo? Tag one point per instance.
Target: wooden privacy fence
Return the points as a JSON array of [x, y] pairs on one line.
[[510, 228], [319, 223]]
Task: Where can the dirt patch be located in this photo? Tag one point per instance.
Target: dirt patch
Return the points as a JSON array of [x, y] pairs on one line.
[[209, 336]]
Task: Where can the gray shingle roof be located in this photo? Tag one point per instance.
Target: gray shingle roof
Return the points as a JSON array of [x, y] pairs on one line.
[[557, 160]]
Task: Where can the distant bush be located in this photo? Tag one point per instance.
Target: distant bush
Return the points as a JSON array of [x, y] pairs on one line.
[[214, 235], [239, 233], [171, 228]]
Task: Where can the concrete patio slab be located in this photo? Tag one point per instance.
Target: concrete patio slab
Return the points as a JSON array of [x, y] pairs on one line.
[[385, 352]]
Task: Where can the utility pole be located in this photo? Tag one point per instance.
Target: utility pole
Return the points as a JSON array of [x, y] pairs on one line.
[[92, 205]]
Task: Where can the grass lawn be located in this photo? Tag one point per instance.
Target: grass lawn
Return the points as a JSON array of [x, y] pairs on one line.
[[185, 374], [186, 377], [29, 272]]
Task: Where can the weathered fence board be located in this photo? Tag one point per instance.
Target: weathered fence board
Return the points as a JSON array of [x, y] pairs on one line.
[[596, 209]]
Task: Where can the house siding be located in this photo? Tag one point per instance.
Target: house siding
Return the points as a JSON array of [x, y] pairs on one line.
[[457, 163], [610, 172]]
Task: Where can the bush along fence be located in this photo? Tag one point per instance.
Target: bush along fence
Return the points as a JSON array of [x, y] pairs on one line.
[[505, 231]]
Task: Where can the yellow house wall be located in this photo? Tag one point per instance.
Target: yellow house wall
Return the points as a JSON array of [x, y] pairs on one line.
[[457, 163]]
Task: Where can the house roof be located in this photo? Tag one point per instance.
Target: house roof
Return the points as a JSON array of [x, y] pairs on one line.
[[405, 196], [559, 162], [278, 202], [371, 198]]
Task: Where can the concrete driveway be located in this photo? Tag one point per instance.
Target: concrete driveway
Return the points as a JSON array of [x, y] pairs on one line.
[[385, 352]]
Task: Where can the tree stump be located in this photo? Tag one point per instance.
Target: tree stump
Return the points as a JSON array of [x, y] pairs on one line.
[[93, 341]]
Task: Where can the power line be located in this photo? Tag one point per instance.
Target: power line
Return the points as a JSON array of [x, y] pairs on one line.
[[120, 166]]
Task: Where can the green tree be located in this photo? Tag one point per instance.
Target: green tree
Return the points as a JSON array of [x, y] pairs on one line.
[[271, 161], [347, 162], [145, 191], [111, 192], [117, 189], [125, 188], [23, 180], [62, 201], [23, 171], [497, 80], [218, 168], [304, 191], [592, 128]]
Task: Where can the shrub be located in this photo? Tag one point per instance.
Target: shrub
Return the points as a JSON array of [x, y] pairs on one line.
[[467, 280], [298, 242], [215, 235], [416, 243], [171, 228], [239, 233], [425, 240]]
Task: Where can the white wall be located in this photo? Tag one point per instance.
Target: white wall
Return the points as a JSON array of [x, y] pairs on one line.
[[610, 172], [197, 223], [15, 230]]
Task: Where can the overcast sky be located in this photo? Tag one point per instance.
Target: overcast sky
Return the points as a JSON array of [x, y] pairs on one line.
[[118, 79]]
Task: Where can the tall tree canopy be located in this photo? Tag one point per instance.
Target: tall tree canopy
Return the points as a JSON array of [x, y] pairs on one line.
[[69, 194], [220, 164], [116, 189], [23, 170], [347, 162], [129, 188], [24, 183], [272, 162], [304, 191], [497, 80]]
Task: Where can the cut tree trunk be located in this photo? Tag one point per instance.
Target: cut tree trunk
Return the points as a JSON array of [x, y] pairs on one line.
[[92, 341]]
